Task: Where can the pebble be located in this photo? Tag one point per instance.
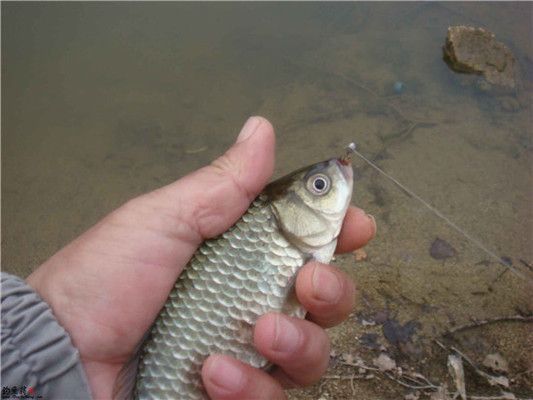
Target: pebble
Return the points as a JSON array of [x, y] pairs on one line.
[[440, 249], [399, 87]]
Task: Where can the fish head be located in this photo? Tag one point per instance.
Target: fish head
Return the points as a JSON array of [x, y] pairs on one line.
[[310, 204]]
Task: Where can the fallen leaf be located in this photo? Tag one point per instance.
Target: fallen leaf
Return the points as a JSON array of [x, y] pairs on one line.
[[455, 367], [498, 380], [348, 357], [384, 362]]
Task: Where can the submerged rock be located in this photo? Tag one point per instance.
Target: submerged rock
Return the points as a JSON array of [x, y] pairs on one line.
[[398, 87], [402, 336], [440, 249], [476, 51]]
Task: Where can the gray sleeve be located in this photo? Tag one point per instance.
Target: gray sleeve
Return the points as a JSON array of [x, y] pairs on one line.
[[38, 358]]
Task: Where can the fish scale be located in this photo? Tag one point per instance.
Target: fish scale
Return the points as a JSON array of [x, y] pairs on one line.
[[249, 270]]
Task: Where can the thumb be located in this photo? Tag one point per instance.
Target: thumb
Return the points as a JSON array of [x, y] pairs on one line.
[[131, 258], [163, 228], [208, 201]]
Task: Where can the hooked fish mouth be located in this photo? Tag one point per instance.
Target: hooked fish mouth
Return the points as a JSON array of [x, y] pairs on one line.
[[345, 162], [346, 169]]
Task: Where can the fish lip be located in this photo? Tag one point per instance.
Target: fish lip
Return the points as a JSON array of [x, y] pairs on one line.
[[346, 169]]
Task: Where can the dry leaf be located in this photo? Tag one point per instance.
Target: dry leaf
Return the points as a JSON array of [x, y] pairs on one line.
[[384, 363], [348, 357], [455, 367], [498, 380]]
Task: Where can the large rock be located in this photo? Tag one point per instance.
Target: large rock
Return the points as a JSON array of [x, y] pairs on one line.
[[476, 51]]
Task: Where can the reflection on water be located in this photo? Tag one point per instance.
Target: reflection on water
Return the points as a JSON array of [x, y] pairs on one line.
[[102, 102]]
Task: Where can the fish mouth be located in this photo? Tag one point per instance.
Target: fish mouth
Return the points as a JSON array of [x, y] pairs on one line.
[[346, 169]]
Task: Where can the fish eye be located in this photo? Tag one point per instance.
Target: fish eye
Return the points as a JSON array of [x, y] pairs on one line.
[[318, 184]]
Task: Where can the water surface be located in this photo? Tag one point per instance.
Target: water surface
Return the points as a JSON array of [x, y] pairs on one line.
[[104, 101]]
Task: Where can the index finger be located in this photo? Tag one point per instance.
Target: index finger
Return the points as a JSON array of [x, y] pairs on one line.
[[357, 230]]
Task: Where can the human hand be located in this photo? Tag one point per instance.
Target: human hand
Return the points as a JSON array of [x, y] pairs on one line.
[[107, 286]]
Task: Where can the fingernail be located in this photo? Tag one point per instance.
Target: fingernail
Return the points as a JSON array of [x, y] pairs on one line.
[[225, 374], [286, 335], [250, 126], [326, 285], [374, 225]]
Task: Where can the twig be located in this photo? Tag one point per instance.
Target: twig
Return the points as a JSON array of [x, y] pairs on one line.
[[477, 323], [419, 381], [443, 347], [418, 378], [466, 358], [492, 380], [359, 365], [352, 386], [527, 264], [408, 385], [343, 377]]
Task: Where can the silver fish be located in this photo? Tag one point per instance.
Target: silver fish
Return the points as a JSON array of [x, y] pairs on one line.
[[235, 278]]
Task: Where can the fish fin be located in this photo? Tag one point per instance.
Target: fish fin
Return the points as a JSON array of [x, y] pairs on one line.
[[124, 386]]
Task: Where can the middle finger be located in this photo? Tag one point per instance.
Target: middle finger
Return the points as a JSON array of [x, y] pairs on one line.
[[299, 347], [327, 293]]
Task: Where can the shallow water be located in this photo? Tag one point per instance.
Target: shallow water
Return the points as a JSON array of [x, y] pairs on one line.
[[102, 102]]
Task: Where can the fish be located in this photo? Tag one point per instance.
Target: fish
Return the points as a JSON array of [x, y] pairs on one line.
[[235, 278]]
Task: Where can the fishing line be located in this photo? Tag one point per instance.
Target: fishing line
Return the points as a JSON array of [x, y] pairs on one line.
[[439, 214]]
